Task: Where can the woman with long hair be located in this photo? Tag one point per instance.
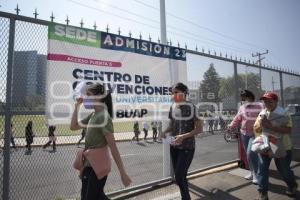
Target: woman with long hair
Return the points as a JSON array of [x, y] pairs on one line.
[[99, 134]]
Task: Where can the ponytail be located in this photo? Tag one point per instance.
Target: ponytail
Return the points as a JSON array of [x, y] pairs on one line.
[[107, 100], [99, 89]]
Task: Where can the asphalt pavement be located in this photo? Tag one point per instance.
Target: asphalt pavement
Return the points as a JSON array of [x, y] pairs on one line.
[[44, 174]]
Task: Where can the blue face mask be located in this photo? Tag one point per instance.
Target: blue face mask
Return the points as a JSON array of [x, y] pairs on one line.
[[88, 103]]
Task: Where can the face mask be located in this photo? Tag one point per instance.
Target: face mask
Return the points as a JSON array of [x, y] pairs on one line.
[[179, 97], [88, 103]]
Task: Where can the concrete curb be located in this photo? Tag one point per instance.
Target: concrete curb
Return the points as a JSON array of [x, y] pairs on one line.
[[169, 181], [214, 170]]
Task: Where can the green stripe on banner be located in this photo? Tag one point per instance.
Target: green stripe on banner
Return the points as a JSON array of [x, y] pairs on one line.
[[74, 35]]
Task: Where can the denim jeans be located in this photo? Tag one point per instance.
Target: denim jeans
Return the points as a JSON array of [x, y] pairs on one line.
[[252, 157], [289, 156], [283, 168], [92, 188], [181, 161]]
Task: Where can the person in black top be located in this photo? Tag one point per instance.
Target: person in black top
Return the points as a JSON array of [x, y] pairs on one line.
[[52, 138], [136, 131], [210, 124], [154, 130], [184, 125], [29, 135], [12, 138]]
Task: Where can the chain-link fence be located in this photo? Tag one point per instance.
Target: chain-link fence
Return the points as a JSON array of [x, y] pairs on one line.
[[250, 78], [4, 34], [291, 99], [45, 172], [210, 83]]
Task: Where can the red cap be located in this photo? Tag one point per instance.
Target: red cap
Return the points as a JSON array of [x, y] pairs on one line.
[[270, 96]]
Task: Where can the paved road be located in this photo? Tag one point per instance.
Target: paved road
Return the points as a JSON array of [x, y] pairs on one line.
[[47, 175]]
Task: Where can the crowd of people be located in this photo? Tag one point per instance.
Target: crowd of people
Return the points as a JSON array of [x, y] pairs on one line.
[[264, 131], [29, 137], [256, 120], [156, 127], [265, 135]]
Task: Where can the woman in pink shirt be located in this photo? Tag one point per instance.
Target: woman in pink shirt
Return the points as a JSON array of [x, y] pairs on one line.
[[246, 117]]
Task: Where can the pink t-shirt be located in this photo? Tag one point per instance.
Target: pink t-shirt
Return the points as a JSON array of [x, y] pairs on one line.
[[246, 117]]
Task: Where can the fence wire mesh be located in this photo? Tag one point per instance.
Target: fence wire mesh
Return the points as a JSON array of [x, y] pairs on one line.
[[250, 78], [291, 90], [291, 95], [40, 171], [44, 172], [210, 82], [270, 81], [4, 37], [30, 58]]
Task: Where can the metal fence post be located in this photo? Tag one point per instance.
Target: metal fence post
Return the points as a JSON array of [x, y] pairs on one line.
[[236, 89], [281, 89], [167, 168], [8, 106]]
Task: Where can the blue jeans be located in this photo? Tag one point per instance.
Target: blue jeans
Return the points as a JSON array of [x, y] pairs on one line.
[[289, 156], [283, 168], [252, 157], [181, 161]]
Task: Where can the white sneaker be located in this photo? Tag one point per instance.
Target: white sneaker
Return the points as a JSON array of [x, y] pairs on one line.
[[254, 179], [249, 176]]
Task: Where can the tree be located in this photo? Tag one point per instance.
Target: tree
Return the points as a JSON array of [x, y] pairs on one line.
[[210, 85], [250, 81]]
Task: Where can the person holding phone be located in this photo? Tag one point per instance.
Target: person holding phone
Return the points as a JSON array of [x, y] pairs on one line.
[[184, 125]]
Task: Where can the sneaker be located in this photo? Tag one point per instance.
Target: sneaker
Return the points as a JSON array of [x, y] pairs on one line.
[[249, 176], [292, 191], [262, 196], [255, 181]]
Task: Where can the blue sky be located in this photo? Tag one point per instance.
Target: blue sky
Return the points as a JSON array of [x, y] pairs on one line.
[[236, 27], [239, 27]]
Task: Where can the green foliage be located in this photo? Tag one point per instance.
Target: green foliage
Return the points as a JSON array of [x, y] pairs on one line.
[[210, 85], [250, 81]]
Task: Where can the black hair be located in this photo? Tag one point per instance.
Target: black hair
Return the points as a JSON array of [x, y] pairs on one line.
[[29, 125], [248, 94], [51, 129], [99, 89], [181, 87]]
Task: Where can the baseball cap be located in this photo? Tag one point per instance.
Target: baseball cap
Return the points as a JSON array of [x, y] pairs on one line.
[[269, 96]]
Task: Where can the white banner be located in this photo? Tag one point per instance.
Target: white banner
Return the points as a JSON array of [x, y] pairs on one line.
[[136, 72]]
